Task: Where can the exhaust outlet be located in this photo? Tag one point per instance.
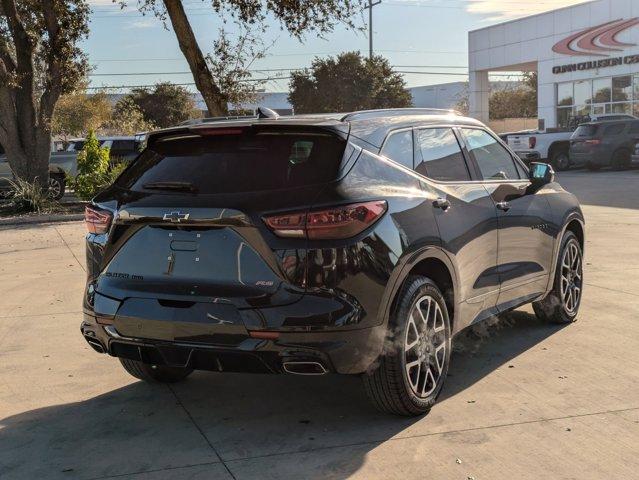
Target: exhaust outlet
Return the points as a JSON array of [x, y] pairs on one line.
[[304, 368], [95, 344]]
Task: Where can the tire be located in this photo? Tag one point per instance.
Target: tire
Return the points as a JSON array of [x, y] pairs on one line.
[[412, 391], [555, 308], [593, 167], [57, 184], [155, 373], [621, 159], [560, 160]]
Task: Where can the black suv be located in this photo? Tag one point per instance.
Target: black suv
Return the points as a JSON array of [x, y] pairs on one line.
[[354, 244], [605, 144]]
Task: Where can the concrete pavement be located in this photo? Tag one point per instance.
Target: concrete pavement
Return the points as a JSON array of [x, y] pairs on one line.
[[524, 400]]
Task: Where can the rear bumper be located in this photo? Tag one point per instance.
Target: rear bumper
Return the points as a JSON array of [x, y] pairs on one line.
[[344, 352]]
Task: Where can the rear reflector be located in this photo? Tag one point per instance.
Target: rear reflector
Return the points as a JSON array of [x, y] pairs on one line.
[[98, 221], [264, 335], [593, 142], [334, 223]]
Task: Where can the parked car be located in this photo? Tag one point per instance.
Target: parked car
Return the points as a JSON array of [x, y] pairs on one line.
[[605, 144], [352, 244], [554, 146], [57, 179]]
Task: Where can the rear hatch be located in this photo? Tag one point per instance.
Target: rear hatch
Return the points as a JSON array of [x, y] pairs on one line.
[[189, 240]]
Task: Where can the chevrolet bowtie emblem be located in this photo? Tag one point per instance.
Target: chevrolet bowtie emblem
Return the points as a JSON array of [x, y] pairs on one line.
[[175, 217]]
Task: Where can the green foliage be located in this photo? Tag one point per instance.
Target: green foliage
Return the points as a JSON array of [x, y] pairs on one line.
[[93, 168], [347, 83], [127, 119], [29, 197], [77, 113], [513, 103], [164, 105]]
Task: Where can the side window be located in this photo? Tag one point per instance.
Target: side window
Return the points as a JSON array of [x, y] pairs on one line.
[[124, 146], [634, 127], [399, 147], [493, 160], [439, 156], [614, 129]]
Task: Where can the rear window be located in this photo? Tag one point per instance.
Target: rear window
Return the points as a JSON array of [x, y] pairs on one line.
[[586, 131], [251, 161], [614, 129]]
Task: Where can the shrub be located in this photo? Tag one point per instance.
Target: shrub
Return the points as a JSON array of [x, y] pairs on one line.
[[93, 168], [30, 197]]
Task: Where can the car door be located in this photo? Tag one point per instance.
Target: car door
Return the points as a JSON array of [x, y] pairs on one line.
[[525, 238], [466, 218]]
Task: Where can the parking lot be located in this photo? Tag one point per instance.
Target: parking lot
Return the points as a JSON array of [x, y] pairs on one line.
[[524, 400]]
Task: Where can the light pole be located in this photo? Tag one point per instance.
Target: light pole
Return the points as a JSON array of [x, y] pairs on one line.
[[370, 6]]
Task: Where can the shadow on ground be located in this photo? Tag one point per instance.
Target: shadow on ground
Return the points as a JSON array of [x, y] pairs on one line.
[[143, 427]]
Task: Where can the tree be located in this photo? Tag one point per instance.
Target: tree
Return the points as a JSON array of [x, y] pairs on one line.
[[39, 62], [346, 83], [126, 119], [93, 167], [519, 102], [76, 113], [298, 18], [164, 105]]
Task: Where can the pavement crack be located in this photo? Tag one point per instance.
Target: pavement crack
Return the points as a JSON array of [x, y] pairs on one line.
[[616, 290], [69, 248], [199, 429]]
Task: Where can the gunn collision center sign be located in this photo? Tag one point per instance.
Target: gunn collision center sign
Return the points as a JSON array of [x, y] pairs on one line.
[[600, 41]]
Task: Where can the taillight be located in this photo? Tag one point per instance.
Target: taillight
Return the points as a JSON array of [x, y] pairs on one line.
[[532, 142], [596, 141], [97, 221], [333, 223]]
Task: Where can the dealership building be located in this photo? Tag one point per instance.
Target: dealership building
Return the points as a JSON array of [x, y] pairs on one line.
[[586, 57]]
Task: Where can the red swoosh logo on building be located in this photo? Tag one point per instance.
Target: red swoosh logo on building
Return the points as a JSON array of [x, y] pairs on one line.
[[596, 40]]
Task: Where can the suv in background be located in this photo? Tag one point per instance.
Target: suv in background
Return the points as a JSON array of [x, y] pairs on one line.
[[57, 176], [553, 146], [354, 244], [604, 144]]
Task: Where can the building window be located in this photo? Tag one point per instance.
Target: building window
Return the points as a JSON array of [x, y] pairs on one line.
[[583, 92], [576, 101], [622, 89], [601, 90], [565, 95]]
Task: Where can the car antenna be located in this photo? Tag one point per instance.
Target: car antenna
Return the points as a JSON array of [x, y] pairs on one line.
[[263, 112]]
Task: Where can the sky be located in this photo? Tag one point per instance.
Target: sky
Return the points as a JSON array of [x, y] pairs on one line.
[[425, 36]]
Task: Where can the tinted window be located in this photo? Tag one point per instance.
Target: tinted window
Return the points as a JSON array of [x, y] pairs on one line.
[[634, 127], [614, 129], [399, 147], [123, 145], [238, 163], [440, 156], [585, 131], [494, 161]]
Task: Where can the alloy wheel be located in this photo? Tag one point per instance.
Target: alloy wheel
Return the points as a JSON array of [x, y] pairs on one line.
[[54, 187], [571, 278], [425, 345]]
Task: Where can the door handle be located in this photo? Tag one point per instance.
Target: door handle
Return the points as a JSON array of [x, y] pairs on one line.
[[504, 206], [441, 203]]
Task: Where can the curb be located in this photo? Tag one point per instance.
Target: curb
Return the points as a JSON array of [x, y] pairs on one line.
[[37, 219]]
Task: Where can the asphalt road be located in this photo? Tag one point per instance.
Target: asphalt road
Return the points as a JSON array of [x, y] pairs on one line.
[[524, 400]]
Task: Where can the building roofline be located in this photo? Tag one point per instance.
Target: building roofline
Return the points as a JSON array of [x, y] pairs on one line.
[[585, 2]]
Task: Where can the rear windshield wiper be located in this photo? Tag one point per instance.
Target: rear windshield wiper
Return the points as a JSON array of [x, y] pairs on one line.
[[178, 186]]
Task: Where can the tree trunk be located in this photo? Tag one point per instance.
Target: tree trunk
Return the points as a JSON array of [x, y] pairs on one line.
[[213, 97]]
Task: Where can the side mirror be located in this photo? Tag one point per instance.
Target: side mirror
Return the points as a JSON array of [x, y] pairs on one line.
[[541, 174]]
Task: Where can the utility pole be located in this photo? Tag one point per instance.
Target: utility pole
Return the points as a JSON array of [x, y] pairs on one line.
[[370, 6]]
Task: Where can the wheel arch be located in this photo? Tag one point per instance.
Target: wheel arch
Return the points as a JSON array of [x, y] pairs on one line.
[[557, 147], [435, 264]]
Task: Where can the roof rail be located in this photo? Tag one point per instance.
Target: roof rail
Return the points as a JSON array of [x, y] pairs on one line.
[[197, 121], [392, 112]]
